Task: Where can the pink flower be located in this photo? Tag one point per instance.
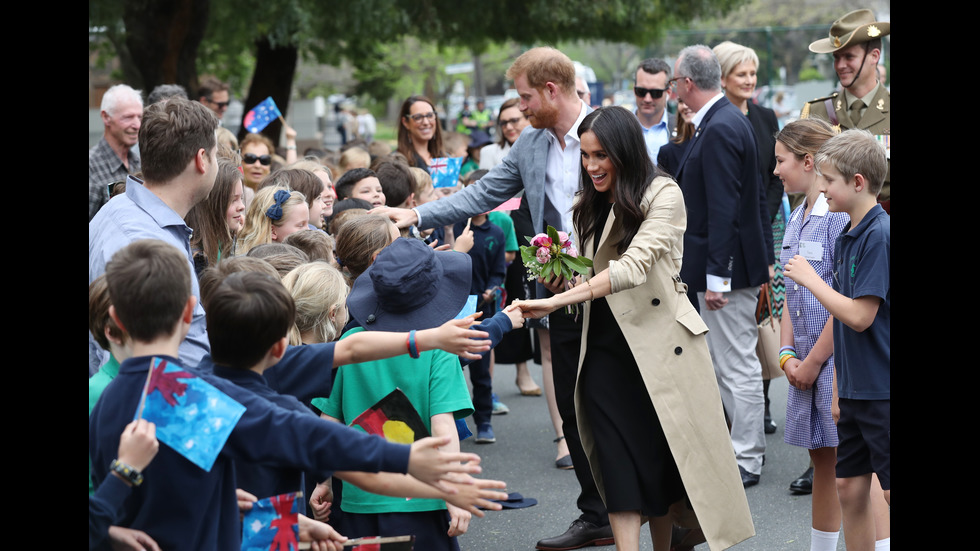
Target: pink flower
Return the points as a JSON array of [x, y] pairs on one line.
[[541, 240], [543, 255], [564, 240], [571, 250]]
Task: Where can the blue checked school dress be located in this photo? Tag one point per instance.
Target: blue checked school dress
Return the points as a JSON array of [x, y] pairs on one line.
[[809, 423]]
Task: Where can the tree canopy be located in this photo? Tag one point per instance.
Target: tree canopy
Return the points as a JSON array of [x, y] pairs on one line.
[[173, 41]]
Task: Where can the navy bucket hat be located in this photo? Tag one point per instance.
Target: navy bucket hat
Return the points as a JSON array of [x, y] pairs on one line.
[[410, 286]]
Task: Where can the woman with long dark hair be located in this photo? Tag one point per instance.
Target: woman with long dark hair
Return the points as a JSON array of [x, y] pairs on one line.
[[648, 406], [419, 134]]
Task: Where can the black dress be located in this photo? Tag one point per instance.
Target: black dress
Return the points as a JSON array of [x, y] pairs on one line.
[[638, 470]]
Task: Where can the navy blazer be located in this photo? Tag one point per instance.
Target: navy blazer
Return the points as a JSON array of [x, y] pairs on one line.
[[728, 226]]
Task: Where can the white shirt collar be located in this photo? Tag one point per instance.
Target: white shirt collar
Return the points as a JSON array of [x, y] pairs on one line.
[[572, 133], [704, 109], [820, 206]]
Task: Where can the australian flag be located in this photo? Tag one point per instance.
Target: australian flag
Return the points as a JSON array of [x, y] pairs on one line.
[[273, 524], [261, 115], [445, 171], [192, 416]]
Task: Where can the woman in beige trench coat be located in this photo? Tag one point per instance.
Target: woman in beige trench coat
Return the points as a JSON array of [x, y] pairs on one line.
[[638, 215]]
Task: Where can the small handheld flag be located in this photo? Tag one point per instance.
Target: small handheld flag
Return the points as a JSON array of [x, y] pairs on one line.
[[192, 416], [445, 171], [261, 115], [273, 524]]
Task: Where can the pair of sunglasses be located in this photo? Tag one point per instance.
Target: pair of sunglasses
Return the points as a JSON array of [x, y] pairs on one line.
[[250, 158], [655, 93]]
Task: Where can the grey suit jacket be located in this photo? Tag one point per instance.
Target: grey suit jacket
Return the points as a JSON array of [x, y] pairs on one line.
[[523, 168]]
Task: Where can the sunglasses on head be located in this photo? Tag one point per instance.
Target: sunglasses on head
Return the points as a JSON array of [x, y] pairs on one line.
[[655, 93], [250, 158]]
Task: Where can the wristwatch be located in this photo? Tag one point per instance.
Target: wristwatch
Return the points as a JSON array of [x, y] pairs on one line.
[[127, 472]]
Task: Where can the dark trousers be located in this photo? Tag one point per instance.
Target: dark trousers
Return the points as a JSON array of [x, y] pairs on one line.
[[482, 388], [566, 338]]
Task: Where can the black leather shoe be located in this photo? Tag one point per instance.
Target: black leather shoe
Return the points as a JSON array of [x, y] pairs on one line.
[[803, 484], [748, 479], [580, 533], [768, 425]]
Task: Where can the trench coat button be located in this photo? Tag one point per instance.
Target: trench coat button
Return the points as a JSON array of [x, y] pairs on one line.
[[655, 302], [678, 350]]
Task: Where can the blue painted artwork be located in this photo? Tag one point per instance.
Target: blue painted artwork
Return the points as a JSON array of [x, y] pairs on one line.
[[191, 415], [273, 524]]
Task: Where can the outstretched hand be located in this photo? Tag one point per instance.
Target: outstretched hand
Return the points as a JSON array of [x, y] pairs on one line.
[[456, 337], [537, 308], [516, 316], [402, 218], [475, 494], [434, 467]]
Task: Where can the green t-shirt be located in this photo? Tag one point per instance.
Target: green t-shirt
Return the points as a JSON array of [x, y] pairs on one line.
[[433, 382], [96, 384]]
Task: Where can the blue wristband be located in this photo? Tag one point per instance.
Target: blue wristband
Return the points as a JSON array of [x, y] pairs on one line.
[[413, 351]]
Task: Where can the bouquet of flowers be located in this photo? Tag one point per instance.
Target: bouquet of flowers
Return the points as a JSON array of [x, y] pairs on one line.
[[553, 253]]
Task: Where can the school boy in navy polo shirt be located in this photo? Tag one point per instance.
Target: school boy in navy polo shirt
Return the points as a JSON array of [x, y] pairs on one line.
[[852, 168], [180, 505]]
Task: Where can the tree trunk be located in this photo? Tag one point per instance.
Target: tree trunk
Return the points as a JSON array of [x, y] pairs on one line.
[[162, 37], [274, 70]]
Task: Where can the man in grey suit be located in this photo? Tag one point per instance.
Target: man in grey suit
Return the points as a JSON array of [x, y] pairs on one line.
[[544, 162]]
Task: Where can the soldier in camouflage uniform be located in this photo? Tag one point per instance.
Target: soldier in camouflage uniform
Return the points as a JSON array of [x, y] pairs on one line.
[[855, 42]]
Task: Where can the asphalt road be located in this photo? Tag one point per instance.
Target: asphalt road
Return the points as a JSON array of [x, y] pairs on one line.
[[524, 457]]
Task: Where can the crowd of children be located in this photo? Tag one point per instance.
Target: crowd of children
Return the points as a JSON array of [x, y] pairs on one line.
[[308, 310]]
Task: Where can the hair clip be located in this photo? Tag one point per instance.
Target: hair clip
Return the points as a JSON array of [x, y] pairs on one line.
[[275, 211]]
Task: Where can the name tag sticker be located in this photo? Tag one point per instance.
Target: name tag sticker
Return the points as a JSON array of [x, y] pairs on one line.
[[811, 250]]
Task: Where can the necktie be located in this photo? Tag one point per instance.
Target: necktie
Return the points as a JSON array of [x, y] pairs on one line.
[[856, 111]]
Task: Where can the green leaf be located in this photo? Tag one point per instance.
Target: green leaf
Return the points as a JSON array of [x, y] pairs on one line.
[[575, 264], [553, 234], [527, 254]]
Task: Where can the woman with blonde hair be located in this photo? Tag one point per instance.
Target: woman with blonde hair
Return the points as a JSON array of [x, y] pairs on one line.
[[274, 213]]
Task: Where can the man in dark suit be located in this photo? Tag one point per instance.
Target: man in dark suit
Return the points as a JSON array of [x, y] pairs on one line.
[[650, 88], [727, 246]]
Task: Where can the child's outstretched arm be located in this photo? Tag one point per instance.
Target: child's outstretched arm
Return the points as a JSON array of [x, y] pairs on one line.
[[498, 325], [454, 337], [471, 494], [429, 464], [443, 424], [857, 313]]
